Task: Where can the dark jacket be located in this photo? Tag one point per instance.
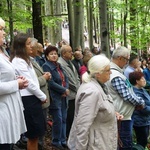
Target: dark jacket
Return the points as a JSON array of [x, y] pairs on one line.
[[77, 63], [40, 60], [142, 117], [146, 72], [55, 84]]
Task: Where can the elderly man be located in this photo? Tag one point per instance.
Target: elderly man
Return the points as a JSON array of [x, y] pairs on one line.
[[133, 65], [77, 61], [125, 101], [40, 58], [74, 82]]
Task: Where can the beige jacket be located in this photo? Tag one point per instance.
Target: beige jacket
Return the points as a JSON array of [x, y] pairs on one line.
[[94, 126]]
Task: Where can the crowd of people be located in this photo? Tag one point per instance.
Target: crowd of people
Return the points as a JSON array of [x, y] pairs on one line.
[[95, 103]]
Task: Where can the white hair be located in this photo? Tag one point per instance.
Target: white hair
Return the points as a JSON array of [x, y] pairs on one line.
[[2, 23], [96, 64]]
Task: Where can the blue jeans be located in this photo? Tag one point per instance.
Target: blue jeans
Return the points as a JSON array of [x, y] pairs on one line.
[[142, 134], [59, 116], [125, 134]]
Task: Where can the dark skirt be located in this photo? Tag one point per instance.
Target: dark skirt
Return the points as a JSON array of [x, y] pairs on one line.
[[34, 117]]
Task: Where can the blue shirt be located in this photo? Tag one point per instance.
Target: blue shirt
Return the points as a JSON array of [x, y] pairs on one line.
[[128, 70]]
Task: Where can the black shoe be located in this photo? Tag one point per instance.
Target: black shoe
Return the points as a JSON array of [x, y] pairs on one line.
[[57, 147], [40, 147], [65, 146]]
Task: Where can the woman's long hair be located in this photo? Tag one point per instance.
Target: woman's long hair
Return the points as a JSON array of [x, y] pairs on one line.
[[18, 48]]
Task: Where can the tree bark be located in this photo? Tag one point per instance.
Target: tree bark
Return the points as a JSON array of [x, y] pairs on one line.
[[71, 22], [125, 25], [90, 25], [58, 29], [104, 27], [37, 20], [133, 24], [9, 5], [77, 18], [82, 25]]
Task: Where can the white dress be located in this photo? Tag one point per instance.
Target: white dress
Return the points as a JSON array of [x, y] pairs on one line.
[[12, 123]]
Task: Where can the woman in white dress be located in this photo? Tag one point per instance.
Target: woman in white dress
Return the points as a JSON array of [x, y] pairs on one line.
[[12, 123]]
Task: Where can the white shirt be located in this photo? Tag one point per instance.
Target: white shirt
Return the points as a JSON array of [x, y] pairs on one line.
[[23, 69]]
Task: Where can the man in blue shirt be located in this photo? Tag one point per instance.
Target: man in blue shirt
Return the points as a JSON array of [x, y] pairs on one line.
[[133, 65]]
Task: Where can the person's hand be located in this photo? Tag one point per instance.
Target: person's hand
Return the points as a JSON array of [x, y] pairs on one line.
[[47, 75], [63, 95], [67, 92], [45, 101], [22, 82], [118, 116]]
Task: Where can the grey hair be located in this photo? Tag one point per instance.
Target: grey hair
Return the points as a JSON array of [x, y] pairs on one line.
[[2, 23], [34, 42], [64, 49], [121, 51], [96, 64]]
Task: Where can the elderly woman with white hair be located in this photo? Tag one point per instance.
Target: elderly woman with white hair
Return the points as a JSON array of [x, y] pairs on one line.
[[95, 124]]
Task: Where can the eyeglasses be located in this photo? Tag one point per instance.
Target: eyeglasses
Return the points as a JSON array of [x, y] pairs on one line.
[[107, 71], [127, 59]]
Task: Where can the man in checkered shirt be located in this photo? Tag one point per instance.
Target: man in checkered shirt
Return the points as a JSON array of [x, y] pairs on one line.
[[125, 101]]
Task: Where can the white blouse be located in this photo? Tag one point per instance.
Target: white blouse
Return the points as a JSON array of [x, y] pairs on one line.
[[23, 69]]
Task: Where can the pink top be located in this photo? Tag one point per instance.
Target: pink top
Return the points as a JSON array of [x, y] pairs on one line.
[[82, 70]]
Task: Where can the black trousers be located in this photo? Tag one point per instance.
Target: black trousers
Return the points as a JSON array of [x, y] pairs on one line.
[[70, 115], [142, 134], [5, 146]]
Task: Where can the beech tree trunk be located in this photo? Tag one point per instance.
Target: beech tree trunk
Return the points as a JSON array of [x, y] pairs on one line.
[[71, 22], [104, 27], [58, 29], [9, 6]]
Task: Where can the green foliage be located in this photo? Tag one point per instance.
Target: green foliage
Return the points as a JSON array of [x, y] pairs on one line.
[[139, 35], [51, 21], [21, 14]]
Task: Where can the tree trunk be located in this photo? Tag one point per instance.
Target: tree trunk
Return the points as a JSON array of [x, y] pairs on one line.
[[37, 20], [111, 28], [9, 5], [125, 25], [58, 29], [91, 24], [133, 24], [95, 28], [77, 18], [71, 22], [104, 27], [52, 29], [82, 25]]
